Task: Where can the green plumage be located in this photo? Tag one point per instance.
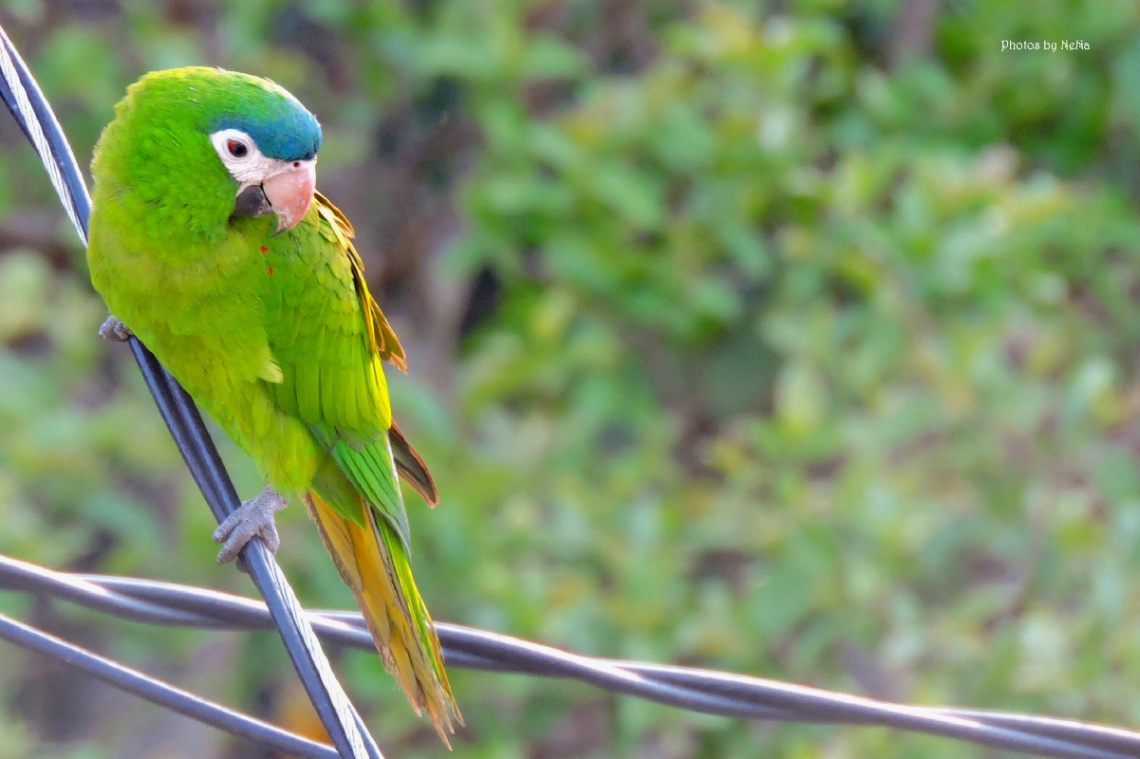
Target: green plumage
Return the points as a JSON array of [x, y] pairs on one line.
[[275, 335]]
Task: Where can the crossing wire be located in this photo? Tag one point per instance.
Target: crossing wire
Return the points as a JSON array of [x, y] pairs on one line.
[[700, 690]]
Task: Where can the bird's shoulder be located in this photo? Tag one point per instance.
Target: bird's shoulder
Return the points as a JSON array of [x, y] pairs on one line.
[[325, 329], [335, 228]]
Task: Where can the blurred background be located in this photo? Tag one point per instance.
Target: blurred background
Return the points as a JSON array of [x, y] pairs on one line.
[[795, 338]]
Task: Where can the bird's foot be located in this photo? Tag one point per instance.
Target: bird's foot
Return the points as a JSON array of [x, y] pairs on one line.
[[253, 518], [113, 329]]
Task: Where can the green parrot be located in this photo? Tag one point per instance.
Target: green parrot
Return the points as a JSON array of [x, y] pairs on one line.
[[210, 243]]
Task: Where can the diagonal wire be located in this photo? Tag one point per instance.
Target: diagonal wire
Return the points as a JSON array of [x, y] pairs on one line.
[[30, 108], [32, 112], [702, 690], [185, 424], [160, 693]]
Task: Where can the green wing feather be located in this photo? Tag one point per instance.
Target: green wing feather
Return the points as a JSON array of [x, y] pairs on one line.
[[329, 339]]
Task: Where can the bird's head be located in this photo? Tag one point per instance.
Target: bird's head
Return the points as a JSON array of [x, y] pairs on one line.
[[213, 145]]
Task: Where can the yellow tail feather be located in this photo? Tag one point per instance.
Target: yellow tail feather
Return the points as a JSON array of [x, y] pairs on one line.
[[373, 564]]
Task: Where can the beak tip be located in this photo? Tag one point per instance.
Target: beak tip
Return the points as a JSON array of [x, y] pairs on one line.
[[291, 193]]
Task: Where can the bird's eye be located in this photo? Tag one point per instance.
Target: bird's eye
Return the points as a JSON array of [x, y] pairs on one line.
[[237, 148]]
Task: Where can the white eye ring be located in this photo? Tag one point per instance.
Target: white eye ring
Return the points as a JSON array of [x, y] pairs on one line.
[[239, 154]]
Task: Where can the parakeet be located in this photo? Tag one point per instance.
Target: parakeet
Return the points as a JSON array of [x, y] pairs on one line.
[[209, 242]]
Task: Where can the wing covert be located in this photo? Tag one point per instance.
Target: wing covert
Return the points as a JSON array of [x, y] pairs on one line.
[[326, 332]]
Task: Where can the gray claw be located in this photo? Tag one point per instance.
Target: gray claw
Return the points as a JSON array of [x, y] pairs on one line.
[[113, 329], [254, 518]]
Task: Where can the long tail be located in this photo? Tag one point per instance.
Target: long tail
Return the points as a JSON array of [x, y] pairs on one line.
[[373, 563]]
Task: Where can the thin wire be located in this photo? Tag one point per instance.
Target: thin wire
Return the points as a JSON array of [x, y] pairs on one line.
[[300, 641], [707, 691], [22, 96], [25, 101], [158, 692]]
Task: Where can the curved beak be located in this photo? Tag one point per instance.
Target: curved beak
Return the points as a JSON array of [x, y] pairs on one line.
[[290, 192]]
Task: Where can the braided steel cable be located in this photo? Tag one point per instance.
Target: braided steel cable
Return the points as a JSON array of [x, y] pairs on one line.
[[701, 690]]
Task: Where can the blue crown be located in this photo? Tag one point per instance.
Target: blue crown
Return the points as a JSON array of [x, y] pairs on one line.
[[287, 131]]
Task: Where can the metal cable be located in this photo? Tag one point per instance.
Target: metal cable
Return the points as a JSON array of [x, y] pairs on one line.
[[702, 690], [158, 692]]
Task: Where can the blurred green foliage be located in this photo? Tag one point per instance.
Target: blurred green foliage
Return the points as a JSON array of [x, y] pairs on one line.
[[792, 338]]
